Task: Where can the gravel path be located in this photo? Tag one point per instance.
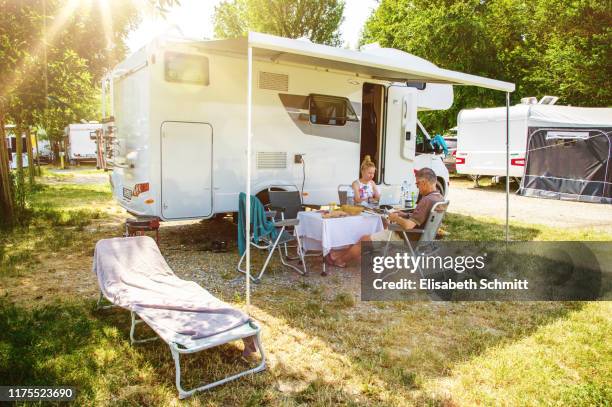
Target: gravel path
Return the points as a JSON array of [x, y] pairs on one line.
[[490, 202]]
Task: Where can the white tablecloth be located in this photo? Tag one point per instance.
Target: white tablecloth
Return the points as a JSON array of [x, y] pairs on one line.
[[317, 233]]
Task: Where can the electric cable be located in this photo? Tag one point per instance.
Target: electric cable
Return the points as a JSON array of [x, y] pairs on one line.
[[303, 175]]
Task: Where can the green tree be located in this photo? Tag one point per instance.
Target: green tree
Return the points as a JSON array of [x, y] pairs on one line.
[[52, 56], [451, 34], [318, 20], [558, 47], [572, 52], [74, 94], [18, 97]]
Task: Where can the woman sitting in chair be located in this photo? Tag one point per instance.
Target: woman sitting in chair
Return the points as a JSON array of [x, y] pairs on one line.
[[364, 188]]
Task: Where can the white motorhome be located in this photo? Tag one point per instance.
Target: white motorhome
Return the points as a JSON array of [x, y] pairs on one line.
[[81, 145], [11, 144], [180, 121], [481, 134]]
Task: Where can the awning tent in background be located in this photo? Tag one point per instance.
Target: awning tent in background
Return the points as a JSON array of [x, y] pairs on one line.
[[569, 164], [569, 155]]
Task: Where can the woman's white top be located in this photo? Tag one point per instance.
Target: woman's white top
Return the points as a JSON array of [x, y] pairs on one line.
[[367, 191]]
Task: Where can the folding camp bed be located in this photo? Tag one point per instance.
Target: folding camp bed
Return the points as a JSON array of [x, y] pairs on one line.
[[133, 274]]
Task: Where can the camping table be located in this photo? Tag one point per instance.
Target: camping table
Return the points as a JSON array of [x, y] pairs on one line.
[[317, 233]]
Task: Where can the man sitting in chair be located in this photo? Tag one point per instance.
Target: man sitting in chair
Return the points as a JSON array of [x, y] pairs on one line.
[[426, 183]]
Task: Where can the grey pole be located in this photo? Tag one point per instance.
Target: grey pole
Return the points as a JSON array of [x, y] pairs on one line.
[[247, 224], [507, 165]]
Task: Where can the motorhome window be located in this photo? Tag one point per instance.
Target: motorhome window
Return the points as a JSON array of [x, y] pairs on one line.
[[186, 68], [423, 145], [331, 110]]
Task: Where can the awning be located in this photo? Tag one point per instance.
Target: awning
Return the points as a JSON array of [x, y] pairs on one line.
[[392, 68]]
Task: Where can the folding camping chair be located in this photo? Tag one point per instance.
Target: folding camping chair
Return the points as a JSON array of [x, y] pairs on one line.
[[427, 234], [133, 274], [267, 234], [287, 204]]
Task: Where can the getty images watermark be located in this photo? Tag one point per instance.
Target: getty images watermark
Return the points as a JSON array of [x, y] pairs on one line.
[[476, 271], [457, 264]]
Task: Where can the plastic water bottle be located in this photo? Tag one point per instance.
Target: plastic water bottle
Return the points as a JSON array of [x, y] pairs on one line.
[[405, 195], [350, 197]]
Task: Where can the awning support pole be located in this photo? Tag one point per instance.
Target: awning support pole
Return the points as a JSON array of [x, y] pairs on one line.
[[507, 165], [248, 178]]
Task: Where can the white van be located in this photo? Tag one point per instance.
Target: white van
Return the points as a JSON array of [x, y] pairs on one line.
[[81, 145]]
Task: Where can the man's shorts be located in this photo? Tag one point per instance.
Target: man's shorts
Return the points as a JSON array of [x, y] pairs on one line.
[[383, 236]]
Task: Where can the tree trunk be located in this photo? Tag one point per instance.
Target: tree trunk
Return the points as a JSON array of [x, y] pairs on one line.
[[6, 187], [62, 153], [38, 172], [55, 148], [19, 152], [31, 166], [20, 193]]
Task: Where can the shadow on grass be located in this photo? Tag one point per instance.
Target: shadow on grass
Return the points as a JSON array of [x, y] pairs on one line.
[[405, 344], [200, 235], [71, 344], [58, 196], [397, 344], [21, 247], [460, 228], [48, 226]]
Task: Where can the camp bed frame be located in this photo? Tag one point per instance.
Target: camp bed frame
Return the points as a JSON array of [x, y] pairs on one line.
[[248, 329]]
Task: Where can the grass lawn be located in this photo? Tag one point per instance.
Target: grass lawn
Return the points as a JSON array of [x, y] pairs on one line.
[[325, 347]]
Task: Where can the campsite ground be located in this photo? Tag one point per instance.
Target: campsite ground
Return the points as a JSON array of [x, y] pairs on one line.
[[489, 201], [325, 347]]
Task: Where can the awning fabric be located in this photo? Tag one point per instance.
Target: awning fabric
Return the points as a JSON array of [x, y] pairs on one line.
[[399, 66]]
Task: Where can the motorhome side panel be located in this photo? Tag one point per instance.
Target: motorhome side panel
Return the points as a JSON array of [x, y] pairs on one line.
[[281, 122], [81, 146], [132, 102], [212, 104], [181, 83], [285, 126]]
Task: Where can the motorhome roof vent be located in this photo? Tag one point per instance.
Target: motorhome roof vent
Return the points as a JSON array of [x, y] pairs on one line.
[[273, 81], [548, 100], [271, 160]]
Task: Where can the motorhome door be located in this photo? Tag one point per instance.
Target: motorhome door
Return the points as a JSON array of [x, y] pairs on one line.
[[400, 134], [186, 170]]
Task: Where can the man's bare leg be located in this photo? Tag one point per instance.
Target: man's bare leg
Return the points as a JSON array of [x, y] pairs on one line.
[[354, 251]]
